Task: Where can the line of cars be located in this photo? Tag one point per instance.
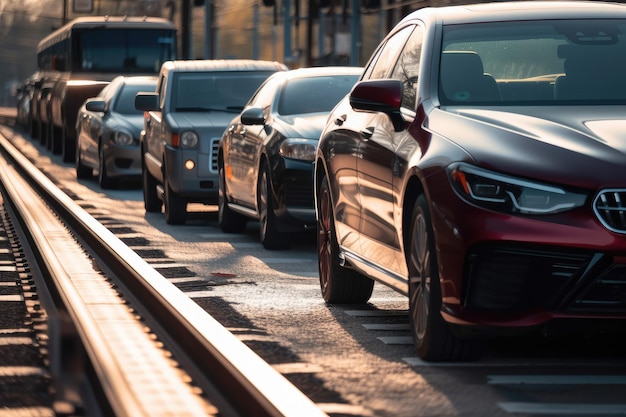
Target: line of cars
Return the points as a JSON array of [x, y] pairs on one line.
[[177, 131], [476, 164], [239, 134]]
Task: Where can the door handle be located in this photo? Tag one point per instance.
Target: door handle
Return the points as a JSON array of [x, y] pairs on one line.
[[367, 132], [340, 119]]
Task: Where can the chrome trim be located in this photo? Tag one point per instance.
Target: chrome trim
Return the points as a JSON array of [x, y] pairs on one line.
[[610, 205], [374, 271]]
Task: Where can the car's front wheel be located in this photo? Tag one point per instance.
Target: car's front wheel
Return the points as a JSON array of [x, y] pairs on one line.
[[67, 147], [229, 221], [270, 236], [338, 284], [151, 201], [82, 170], [175, 205], [103, 177], [433, 338]]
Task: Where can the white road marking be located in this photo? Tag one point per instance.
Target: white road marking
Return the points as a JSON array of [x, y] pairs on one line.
[[564, 409]]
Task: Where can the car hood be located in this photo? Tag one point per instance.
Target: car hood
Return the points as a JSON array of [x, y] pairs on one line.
[[307, 126], [133, 123], [199, 120], [576, 145]]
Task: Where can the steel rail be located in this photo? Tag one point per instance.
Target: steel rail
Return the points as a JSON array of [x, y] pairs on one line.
[[250, 385]]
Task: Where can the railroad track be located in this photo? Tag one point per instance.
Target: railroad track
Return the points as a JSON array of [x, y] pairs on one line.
[[141, 347]]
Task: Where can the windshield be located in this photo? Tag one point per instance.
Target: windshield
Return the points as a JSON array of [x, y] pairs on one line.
[[215, 90], [125, 102], [123, 50], [546, 62], [314, 94]]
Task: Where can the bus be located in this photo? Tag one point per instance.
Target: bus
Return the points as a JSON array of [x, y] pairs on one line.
[[77, 60]]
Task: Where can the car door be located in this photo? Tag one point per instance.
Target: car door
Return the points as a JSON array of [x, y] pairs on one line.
[[341, 143], [378, 164], [244, 147], [91, 126], [153, 140]]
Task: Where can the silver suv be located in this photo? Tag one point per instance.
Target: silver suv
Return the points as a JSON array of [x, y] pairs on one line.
[[184, 120]]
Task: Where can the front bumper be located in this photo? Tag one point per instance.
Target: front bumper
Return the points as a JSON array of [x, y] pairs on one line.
[[504, 271], [292, 186]]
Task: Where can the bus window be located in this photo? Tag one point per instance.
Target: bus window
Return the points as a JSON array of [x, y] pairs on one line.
[[123, 50]]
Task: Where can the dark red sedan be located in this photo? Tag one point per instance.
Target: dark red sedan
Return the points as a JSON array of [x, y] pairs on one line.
[[479, 167]]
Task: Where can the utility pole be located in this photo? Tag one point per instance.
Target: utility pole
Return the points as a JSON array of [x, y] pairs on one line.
[[355, 33], [208, 29], [287, 32], [185, 39]]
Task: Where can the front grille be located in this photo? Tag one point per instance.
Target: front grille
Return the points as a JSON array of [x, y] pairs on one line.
[[299, 191], [516, 279], [606, 294], [610, 207], [215, 143]]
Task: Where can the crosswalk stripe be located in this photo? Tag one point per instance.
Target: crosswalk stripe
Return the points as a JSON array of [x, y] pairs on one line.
[[557, 379], [564, 409], [387, 326], [396, 340]]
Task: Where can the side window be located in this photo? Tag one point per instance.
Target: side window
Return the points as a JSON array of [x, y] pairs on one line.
[[264, 95], [367, 73], [109, 90], [388, 54], [407, 68]]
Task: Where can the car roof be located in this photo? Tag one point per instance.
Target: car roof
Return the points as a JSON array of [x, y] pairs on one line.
[[520, 10], [319, 71], [139, 79], [183, 65]]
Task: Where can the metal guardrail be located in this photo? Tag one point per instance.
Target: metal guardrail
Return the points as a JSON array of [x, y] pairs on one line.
[[250, 385]]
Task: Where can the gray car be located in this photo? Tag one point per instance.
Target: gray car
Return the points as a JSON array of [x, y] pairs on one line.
[[185, 118], [107, 131]]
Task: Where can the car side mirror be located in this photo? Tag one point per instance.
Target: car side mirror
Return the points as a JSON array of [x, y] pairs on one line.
[[95, 105], [379, 96], [147, 101], [253, 116]]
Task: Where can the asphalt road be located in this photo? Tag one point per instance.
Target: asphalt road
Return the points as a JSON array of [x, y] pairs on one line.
[[357, 360]]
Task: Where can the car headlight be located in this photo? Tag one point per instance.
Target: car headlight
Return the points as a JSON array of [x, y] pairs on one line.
[[123, 138], [303, 149], [188, 139], [502, 193]]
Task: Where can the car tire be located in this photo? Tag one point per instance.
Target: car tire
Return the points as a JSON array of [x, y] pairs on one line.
[[67, 146], [339, 285], [228, 220], [56, 144], [151, 201], [103, 177], [43, 130], [175, 206], [33, 129], [82, 170], [270, 236], [433, 337]]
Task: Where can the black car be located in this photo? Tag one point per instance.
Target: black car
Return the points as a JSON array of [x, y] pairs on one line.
[[479, 167], [266, 154]]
